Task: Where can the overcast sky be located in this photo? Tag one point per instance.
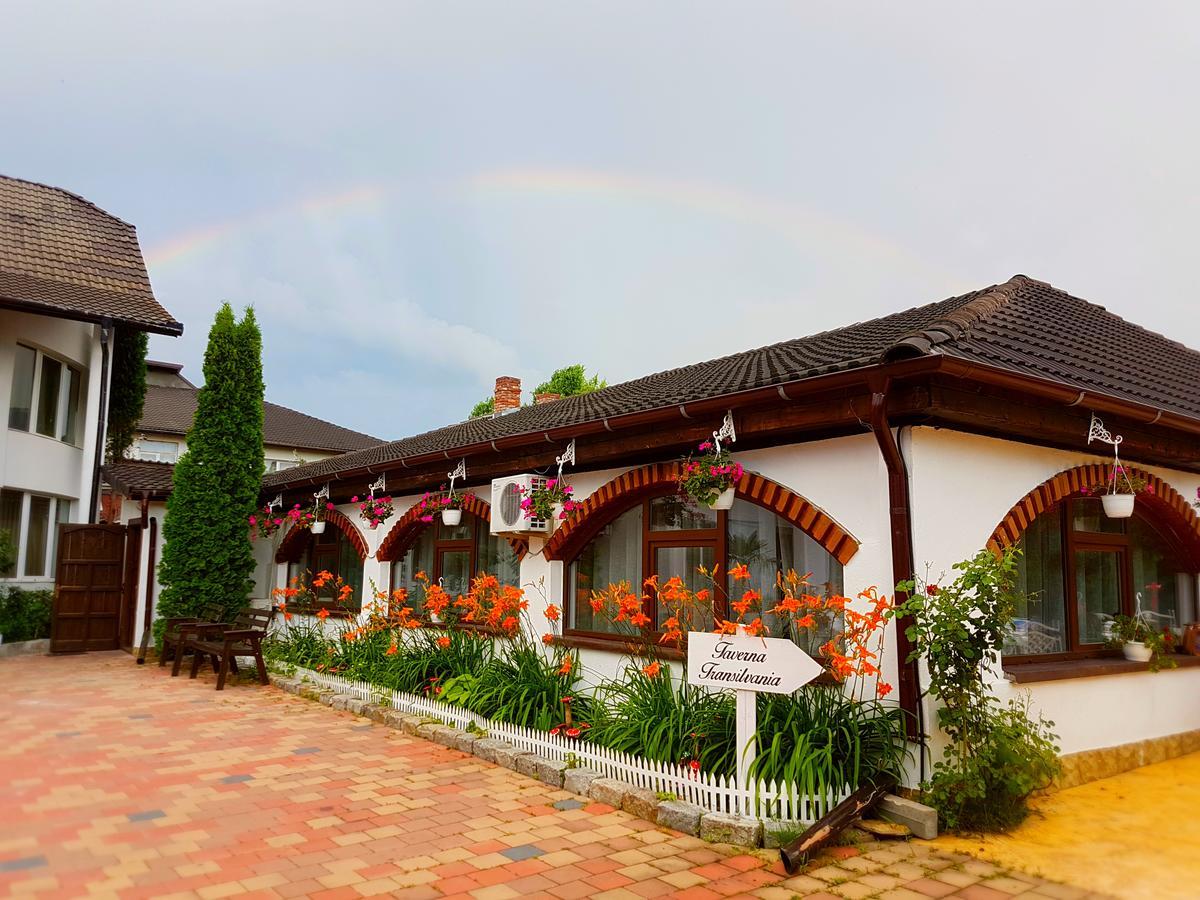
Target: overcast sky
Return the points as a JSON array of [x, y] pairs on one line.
[[417, 198]]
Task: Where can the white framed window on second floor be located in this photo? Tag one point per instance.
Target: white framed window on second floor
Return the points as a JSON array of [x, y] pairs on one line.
[[31, 522], [158, 451], [46, 396], [279, 465]]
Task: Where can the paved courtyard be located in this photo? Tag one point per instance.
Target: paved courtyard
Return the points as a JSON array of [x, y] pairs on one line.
[[121, 781]]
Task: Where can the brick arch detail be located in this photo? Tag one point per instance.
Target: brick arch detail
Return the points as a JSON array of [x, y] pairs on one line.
[[294, 541], [409, 526], [621, 492], [1167, 504]]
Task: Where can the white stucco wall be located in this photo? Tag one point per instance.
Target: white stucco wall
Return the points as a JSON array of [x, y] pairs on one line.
[[962, 487]]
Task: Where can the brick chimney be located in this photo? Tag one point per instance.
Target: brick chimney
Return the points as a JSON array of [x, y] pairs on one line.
[[508, 394], [539, 399]]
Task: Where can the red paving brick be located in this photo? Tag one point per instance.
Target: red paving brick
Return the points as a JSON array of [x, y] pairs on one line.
[[128, 783]]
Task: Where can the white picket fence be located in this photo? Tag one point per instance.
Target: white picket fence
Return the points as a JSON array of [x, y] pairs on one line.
[[715, 793]]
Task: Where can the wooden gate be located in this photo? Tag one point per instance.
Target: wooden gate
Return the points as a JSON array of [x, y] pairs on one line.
[[89, 599]]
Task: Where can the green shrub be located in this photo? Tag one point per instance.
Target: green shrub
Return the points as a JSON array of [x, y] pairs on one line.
[[25, 615], [521, 685], [997, 756]]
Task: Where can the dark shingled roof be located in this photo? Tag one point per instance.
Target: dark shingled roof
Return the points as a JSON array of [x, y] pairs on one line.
[[1023, 325], [134, 477], [62, 255], [171, 410]]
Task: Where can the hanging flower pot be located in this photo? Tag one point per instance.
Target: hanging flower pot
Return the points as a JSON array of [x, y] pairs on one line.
[[724, 500], [1118, 506], [374, 510], [711, 477], [318, 527], [1136, 651], [451, 516], [549, 502]]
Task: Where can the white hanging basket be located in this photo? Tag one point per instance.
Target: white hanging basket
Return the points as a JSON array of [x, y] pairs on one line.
[[451, 516], [1136, 651], [318, 527], [724, 500], [1118, 506]]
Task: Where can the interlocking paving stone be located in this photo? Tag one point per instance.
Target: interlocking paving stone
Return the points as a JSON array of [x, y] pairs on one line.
[[335, 808]]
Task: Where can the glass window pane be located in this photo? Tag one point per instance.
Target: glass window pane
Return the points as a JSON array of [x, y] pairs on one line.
[[70, 423], [1040, 623], [460, 532], [767, 545], [350, 568], [673, 512], [682, 562], [614, 555], [454, 570], [10, 524], [496, 556], [1088, 515], [38, 536], [1097, 592], [158, 451], [47, 414], [419, 558], [21, 397], [1156, 581]]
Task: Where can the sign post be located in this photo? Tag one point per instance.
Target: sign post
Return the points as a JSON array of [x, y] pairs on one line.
[[748, 665]]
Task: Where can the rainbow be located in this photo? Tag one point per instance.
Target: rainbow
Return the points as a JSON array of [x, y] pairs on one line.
[[803, 226]]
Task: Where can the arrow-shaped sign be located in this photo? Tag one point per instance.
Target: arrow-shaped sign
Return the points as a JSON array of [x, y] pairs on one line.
[[742, 663]]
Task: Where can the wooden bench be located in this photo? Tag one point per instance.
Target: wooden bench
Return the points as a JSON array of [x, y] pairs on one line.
[[223, 644], [178, 628]]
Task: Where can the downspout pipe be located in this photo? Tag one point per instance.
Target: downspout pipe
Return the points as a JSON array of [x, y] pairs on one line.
[[903, 564], [101, 418]]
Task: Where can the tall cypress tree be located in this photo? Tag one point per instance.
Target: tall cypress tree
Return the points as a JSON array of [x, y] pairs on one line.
[[207, 557]]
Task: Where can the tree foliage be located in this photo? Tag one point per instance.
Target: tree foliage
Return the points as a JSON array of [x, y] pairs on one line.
[[569, 381], [127, 393], [207, 556]]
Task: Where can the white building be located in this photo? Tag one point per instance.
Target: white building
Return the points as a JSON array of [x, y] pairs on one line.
[[871, 451], [69, 274]]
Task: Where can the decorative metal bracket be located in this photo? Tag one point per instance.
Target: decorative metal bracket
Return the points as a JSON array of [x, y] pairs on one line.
[[726, 432], [567, 457], [460, 471], [323, 493], [380, 484], [277, 502], [1097, 432]]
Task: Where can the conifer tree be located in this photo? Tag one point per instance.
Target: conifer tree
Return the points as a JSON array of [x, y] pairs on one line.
[[207, 556]]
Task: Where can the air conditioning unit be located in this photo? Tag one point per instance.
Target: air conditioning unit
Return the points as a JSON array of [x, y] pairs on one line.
[[507, 515]]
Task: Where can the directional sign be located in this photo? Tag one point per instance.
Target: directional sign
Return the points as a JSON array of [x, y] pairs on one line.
[[748, 666], [741, 663]]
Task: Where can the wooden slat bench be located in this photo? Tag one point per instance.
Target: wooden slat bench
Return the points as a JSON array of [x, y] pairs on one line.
[[178, 628], [242, 637]]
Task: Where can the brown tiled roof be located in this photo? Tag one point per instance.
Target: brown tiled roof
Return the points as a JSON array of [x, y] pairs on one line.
[[61, 255], [1024, 325], [171, 409], [138, 477]]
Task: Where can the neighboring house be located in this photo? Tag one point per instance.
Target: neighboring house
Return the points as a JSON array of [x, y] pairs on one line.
[[872, 450], [69, 273], [140, 484]]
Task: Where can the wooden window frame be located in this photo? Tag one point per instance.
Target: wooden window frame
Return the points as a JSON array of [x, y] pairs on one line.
[[315, 550], [652, 540], [1073, 541]]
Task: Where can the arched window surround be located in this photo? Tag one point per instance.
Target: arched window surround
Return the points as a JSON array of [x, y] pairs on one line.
[[1162, 511], [292, 547], [409, 526], [629, 488]]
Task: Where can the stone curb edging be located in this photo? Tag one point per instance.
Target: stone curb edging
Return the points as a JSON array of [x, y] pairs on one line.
[[645, 804], [25, 648]]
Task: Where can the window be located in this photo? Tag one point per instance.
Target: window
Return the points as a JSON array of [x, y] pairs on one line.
[[31, 522], [279, 465], [1080, 568], [667, 536], [53, 408], [331, 551], [158, 451], [455, 554]]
